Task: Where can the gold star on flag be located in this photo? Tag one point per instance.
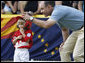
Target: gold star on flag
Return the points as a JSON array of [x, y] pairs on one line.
[[52, 53], [42, 40], [46, 44], [39, 36], [32, 33], [56, 48], [45, 50]]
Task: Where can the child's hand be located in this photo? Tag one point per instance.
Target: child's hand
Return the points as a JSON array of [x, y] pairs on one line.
[[22, 32], [19, 37]]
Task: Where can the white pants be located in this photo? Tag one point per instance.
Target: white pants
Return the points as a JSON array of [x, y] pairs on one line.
[[21, 55], [74, 44]]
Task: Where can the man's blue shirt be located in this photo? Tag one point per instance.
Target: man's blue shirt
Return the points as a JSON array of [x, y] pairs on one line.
[[68, 17]]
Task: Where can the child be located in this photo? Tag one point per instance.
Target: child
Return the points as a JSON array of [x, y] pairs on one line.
[[22, 40]]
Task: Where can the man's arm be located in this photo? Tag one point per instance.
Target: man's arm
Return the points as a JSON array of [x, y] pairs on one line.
[[41, 23], [65, 34], [44, 24]]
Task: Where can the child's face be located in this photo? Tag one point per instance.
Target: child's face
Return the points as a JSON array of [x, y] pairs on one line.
[[21, 23]]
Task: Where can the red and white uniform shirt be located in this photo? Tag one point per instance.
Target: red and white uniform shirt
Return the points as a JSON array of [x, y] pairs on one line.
[[22, 43]]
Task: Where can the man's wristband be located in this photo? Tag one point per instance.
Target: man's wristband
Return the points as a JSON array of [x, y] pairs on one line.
[[31, 19]]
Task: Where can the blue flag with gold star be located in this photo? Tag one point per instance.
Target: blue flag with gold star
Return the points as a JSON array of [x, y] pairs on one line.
[[46, 42]]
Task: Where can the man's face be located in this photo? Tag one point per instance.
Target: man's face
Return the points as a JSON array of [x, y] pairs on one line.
[[21, 23], [46, 10]]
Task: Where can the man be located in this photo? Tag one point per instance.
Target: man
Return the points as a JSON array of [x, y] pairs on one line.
[[67, 18], [22, 40]]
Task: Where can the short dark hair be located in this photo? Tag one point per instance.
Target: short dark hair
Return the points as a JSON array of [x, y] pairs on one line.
[[20, 19], [52, 3]]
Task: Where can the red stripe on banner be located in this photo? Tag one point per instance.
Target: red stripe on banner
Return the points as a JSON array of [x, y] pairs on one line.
[[10, 23], [7, 36]]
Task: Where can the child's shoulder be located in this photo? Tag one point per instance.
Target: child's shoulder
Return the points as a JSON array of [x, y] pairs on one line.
[[29, 31], [17, 32]]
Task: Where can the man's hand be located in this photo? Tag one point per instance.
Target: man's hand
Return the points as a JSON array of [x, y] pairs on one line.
[[61, 46]]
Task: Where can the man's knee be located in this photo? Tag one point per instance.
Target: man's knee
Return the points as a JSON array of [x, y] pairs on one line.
[[64, 51]]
